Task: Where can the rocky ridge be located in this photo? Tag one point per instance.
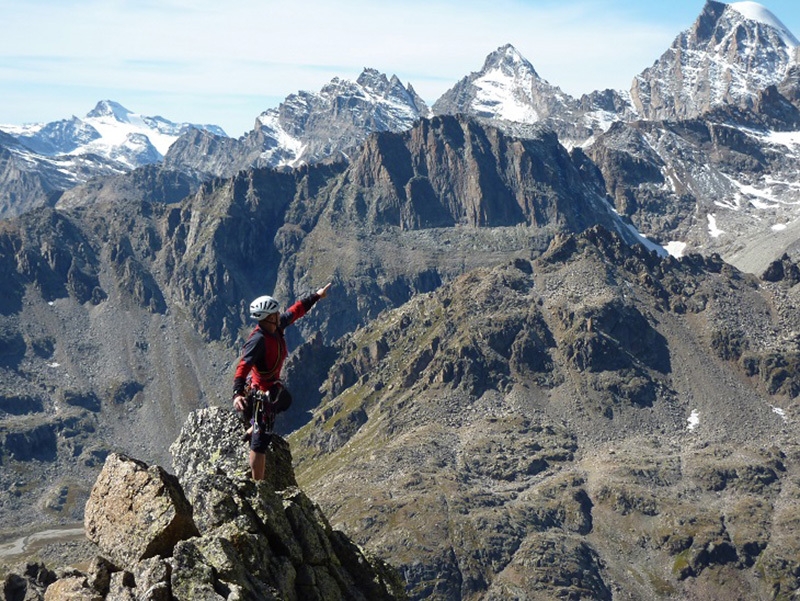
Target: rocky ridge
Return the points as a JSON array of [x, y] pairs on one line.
[[306, 127], [209, 533], [723, 183]]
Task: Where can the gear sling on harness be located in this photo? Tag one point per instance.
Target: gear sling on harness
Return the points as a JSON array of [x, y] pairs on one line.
[[266, 405], [262, 407]]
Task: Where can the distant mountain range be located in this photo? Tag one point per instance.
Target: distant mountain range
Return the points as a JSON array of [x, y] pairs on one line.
[[39, 162], [108, 130], [731, 54]]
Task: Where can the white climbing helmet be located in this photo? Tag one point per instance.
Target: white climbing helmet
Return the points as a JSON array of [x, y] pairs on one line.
[[263, 306]]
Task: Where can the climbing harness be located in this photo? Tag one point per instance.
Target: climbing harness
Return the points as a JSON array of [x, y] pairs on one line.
[[263, 406]]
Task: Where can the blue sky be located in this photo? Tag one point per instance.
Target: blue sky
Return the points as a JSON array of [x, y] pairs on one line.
[[207, 61]]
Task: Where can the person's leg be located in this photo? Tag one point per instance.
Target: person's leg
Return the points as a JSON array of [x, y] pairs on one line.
[[259, 441], [258, 463]]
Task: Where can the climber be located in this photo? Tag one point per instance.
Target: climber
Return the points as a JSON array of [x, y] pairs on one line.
[[261, 362]]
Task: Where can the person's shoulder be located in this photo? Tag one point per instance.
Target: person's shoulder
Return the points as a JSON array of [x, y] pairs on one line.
[[256, 335]]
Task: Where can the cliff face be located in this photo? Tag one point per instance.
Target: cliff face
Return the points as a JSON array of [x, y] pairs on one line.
[[210, 532], [452, 171]]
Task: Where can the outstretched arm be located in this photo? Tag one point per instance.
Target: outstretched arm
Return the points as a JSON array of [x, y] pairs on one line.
[[301, 307]]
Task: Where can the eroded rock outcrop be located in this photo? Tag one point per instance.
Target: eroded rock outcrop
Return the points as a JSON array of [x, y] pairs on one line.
[[226, 537], [136, 512]]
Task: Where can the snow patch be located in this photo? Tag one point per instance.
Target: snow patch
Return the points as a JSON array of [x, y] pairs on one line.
[[28, 129], [495, 96], [116, 133], [675, 248], [693, 419], [713, 230], [779, 411], [293, 147], [790, 139], [769, 194], [778, 227], [643, 240]]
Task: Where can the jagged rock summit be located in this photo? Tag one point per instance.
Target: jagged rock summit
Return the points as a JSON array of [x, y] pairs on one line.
[[307, 127], [227, 537], [730, 54]]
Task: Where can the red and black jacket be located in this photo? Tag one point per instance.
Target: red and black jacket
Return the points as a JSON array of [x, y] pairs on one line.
[[263, 354]]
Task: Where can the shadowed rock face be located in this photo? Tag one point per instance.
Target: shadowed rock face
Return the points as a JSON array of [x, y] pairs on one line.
[[228, 537], [451, 171]]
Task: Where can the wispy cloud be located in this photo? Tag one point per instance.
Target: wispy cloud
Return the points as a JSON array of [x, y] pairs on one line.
[[257, 49], [435, 39]]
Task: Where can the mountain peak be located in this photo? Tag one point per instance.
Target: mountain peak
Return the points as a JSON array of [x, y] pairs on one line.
[[507, 88], [372, 78], [109, 108], [508, 56]]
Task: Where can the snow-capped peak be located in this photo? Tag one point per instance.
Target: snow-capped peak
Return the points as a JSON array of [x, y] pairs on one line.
[[109, 130], [510, 57], [754, 11], [116, 125], [109, 108], [507, 88]]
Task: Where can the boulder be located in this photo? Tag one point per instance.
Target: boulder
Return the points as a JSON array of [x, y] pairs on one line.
[[135, 512], [74, 588], [28, 583]]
